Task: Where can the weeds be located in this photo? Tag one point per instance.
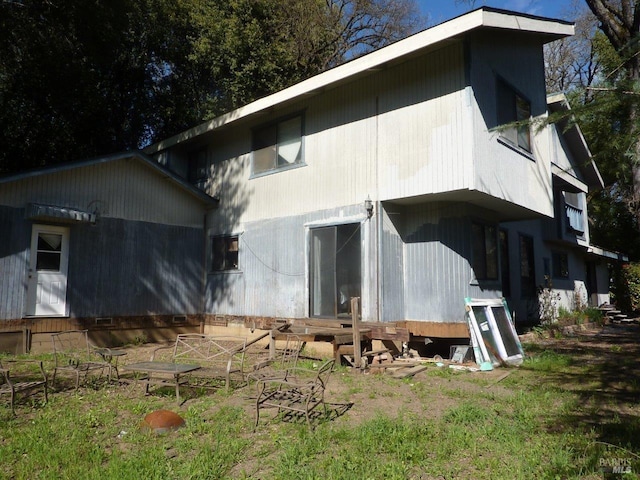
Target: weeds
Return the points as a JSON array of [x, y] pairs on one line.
[[524, 427]]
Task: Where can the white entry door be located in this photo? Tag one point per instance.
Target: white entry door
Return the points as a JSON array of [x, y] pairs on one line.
[[47, 286]]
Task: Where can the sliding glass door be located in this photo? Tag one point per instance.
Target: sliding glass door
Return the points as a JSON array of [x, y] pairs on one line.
[[335, 266]]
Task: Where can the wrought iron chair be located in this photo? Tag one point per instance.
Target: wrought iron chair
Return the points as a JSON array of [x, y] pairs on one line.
[[75, 355], [300, 391], [284, 360], [21, 375]]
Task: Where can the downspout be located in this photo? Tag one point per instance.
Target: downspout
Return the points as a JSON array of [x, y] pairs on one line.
[[379, 219]]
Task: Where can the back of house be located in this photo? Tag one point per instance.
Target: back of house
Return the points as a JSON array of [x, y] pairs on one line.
[[409, 177]]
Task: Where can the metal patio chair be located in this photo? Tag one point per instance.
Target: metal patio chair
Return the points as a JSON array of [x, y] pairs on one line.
[[284, 360], [75, 355], [22, 375], [299, 392]]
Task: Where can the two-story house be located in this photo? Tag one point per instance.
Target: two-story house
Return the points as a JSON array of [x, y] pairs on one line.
[[391, 178]]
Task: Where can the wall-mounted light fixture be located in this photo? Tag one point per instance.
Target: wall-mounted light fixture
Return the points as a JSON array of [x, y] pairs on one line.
[[368, 206]]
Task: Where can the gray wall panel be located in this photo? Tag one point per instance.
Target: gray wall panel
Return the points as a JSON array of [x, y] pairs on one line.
[[392, 266], [119, 267], [272, 279], [15, 237]]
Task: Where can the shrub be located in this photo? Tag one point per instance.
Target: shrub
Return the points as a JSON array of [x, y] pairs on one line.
[[627, 287]]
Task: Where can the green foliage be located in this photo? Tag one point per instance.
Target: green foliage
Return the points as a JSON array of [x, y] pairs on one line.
[[84, 79], [627, 281], [547, 361]]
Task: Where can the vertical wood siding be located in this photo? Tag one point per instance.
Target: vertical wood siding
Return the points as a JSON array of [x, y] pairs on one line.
[[115, 189], [437, 258], [377, 137], [272, 277], [501, 171], [392, 265], [15, 240], [119, 267]]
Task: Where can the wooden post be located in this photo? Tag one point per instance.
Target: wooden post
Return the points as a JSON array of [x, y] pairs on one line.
[[272, 344], [355, 316]]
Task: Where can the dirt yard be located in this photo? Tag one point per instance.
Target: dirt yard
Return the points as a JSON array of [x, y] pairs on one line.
[[609, 394]]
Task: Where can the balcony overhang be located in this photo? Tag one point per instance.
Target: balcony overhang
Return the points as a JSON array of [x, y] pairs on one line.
[[566, 181], [502, 210]]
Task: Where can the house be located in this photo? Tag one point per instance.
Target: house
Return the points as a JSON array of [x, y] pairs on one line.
[[387, 178], [109, 243]]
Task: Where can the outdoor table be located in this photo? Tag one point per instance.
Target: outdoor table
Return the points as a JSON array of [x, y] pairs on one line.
[[175, 370], [111, 356]]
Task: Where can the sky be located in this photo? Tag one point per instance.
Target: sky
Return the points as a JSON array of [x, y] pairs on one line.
[[441, 10]]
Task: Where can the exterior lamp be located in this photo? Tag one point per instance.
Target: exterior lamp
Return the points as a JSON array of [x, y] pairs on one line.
[[368, 206]]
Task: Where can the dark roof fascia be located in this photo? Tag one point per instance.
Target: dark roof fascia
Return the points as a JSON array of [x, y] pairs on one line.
[[144, 159]]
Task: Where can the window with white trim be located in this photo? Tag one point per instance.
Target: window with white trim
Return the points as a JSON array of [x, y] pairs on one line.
[[514, 108], [224, 253], [277, 146], [574, 212]]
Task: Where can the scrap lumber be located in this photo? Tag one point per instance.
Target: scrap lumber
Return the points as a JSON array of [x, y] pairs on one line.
[[409, 371]]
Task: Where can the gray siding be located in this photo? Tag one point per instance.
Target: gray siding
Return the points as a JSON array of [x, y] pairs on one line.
[[116, 268], [117, 189], [15, 237], [392, 265], [272, 278], [120, 267], [437, 262]]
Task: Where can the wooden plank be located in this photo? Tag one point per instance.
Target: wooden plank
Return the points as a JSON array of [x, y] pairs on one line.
[[357, 346], [409, 372], [382, 331], [436, 329]]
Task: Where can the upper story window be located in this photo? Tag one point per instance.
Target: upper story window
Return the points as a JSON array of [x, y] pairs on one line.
[[277, 145], [514, 108], [485, 251], [573, 209], [197, 168]]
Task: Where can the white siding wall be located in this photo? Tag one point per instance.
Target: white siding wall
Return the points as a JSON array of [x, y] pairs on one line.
[[113, 189], [499, 170], [377, 137]]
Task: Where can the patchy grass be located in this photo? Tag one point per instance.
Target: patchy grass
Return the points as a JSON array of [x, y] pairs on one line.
[[570, 408]]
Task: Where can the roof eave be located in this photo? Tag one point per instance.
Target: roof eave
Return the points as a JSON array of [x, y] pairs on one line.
[[207, 200], [480, 18], [556, 102]]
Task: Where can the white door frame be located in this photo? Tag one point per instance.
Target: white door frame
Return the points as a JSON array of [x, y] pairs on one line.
[[47, 274]]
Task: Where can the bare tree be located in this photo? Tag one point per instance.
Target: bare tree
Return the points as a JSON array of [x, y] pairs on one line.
[[329, 32], [571, 62]]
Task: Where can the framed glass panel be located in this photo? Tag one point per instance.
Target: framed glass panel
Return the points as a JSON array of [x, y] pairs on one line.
[[49, 252], [277, 145], [224, 253], [335, 269], [290, 141]]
